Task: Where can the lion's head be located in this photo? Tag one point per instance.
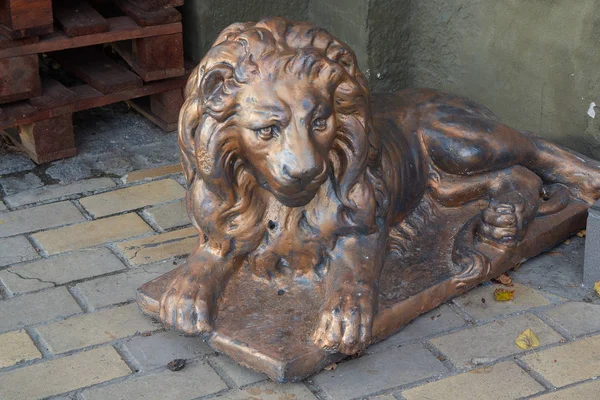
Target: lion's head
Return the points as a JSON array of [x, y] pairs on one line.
[[281, 106]]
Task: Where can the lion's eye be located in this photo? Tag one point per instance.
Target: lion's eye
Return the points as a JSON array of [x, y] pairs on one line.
[[319, 124], [266, 133]]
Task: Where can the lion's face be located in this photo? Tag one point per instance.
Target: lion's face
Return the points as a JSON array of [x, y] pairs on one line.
[[286, 129]]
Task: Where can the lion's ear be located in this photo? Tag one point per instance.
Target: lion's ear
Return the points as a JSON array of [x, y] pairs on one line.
[[218, 90]]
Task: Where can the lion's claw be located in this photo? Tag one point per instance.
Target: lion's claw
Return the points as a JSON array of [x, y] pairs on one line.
[[346, 321], [506, 218], [187, 305]]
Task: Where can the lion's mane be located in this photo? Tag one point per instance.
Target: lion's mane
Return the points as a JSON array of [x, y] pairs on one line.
[[210, 150]]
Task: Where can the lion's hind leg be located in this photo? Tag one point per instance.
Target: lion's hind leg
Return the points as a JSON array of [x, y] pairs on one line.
[[512, 196]]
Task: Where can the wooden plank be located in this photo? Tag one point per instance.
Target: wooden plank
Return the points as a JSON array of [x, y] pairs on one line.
[[87, 97], [149, 18], [24, 14], [25, 33], [166, 105], [49, 140], [78, 18], [154, 58], [142, 105], [154, 5], [54, 94], [95, 68], [19, 78], [120, 28], [5, 43]]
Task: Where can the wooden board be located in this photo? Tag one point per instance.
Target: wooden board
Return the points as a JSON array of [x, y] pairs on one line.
[[20, 113], [148, 18], [154, 5], [78, 18], [6, 43], [49, 140], [120, 28], [142, 105], [25, 14], [54, 94], [93, 67], [154, 58], [19, 78]]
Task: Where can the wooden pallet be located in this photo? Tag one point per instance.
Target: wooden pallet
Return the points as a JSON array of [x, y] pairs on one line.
[[148, 37]]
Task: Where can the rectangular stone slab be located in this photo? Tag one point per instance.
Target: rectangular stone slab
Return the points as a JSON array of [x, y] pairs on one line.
[[269, 331]]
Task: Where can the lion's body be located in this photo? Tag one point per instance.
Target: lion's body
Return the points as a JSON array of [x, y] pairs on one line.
[[293, 168]]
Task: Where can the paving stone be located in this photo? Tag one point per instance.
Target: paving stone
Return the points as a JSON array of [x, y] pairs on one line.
[[170, 215], [569, 363], [159, 349], [372, 373], [133, 197], [435, 321], [16, 249], [195, 380], [59, 270], [18, 312], [69, 170], [152, 173], [36, 218], [504, 381], [576, 318], [16, 347], [383, 397], [559, 271], [585, 391], [493, 340], [525, 298], [63, 375], [241, 376], [115, 289], [14, 184], [270, 391], [91, 233], [57, 191], [2, 207], [114, 163], [96, 328], [160, 247], [14, 162]]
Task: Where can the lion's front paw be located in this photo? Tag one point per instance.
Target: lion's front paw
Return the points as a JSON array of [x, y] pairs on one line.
[[506, 218], [346, 320], [187, 304]]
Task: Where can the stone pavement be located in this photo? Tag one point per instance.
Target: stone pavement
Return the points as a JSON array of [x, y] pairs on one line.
[[73, 254]]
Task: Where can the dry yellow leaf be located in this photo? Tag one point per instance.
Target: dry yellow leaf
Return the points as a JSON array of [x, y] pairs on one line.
[[582, 233], [597, 288], [567, 241], [504, 279], [527, 340], [331, 367], [501, 294]]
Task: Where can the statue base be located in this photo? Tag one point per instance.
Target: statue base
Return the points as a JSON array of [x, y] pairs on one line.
[[269, 331]]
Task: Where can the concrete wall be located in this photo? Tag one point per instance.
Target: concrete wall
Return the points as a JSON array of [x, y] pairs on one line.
[[536, 63]]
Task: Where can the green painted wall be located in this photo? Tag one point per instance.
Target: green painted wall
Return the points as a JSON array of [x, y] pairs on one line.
[[536, 63]]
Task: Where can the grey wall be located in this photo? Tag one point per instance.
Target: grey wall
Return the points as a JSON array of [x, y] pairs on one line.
[[536, 63]]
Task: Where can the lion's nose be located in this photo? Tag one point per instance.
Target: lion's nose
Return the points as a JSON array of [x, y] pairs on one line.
[[302, 175]]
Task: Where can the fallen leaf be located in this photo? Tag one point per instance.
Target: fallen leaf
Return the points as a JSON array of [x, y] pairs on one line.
[[567, 241], [176, 365], [331, 367], [527, 340], [502, 294], [597, 288], [582, 233], [504, 279]]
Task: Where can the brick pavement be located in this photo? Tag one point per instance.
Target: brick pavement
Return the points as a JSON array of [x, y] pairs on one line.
[[72, 256]]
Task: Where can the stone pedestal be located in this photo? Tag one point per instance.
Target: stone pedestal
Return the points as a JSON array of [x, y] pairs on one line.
[[591, 266]]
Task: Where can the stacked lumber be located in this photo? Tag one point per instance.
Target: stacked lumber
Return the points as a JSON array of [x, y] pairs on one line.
[[114, 50]]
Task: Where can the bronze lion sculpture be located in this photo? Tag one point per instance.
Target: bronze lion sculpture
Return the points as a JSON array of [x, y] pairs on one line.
[[295, 170]]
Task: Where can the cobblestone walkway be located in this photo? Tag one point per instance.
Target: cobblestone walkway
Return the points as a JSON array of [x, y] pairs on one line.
[[72, 256]]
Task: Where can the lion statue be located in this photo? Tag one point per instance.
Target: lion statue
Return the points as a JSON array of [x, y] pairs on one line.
[[292, 166]]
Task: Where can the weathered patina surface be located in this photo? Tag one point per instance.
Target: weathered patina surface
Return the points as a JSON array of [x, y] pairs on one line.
[[328, 217]]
